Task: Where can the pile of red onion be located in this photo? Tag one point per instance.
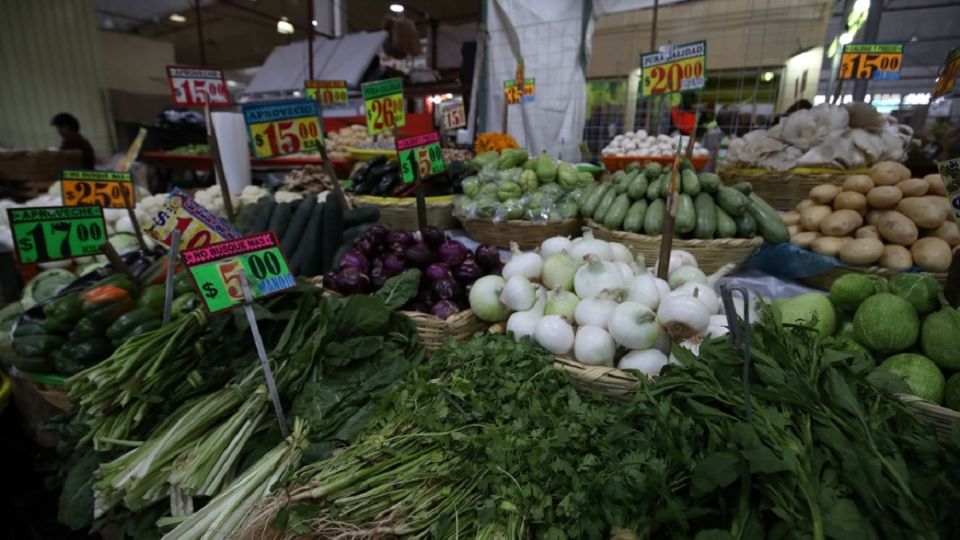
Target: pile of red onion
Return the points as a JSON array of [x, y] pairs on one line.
[[448, 267]]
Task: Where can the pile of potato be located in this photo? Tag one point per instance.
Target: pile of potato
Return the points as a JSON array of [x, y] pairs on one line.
[[883, 218]]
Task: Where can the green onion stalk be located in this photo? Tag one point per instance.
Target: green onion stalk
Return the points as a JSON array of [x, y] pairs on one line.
[[223, 515]]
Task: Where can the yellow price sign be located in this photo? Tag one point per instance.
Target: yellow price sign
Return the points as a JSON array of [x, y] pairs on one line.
[[879, 61], [514, 94], [383, 101], [681, 70], [329, 92], [282, 128], [948, 74]]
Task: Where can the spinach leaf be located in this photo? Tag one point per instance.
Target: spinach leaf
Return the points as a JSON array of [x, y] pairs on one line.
[[400, 289], [362, 315]]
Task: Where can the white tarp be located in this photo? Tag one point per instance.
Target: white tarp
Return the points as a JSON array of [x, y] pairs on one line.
[[608, 7], [343, 59]]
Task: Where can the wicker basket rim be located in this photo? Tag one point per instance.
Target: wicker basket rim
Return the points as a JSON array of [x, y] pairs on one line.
[[879, 270], [520, 222], [679, 242], [403, 202], [796, 170]]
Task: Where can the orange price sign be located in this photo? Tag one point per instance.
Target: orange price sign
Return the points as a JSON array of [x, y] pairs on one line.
[[329, 92], [194, 85], [681, 70], [283, 127], [383, 101], [878, 61], [524, 94], [102, 188], [948, 74]]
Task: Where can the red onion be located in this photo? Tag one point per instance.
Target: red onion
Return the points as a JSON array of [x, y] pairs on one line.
[[444, 309], [378, 233], [330, 281], [432, 236], [393, 264], [468, 272], [438, 271], [377, 278], [487, 256], [452, 252], [445, 289], [351, 281], [420, 256], [355, 259], [399, 237], [427, 297], [365, 245]]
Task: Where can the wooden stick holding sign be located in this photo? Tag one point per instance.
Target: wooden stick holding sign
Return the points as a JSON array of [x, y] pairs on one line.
[[262, 353], [217, 161], [133, 217], [116, 260], [327, 165], [420, 158], [673, 203], [171, 270]]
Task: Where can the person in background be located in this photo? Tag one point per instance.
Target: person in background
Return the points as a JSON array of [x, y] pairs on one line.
[[69, 129]]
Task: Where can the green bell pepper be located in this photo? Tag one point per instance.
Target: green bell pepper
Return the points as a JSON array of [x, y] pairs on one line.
[[36, 345], [130, 320], [61, 313], [182, 284], [152, 298]]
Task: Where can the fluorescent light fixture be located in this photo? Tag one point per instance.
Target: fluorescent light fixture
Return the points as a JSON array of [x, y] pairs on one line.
[[767, 76], [396, 8], [177, 18], [313, 22], [232, 83], [284, 26], [846, 38]]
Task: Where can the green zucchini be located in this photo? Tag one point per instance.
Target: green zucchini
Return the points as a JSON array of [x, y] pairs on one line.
[[706, 216], [689, 182], [280, 219], [360, 214], [600, 213], [686, 215], [652, 169], [262, 221], [295, 232], [768, 221], [331, 231], [620, 186], [637, 187], [732, 201], [633, 222], [618, 211], [653, 189], [587, 191], [685, 165], [709, 182], [726, 227], [590, 203], [309, 252], [746, 226], [653, 220], [743, 187]]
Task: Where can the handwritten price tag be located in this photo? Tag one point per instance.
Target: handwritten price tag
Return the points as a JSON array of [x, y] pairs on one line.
[[452, 114], [283, 127], [880, 61], [948, 74], [420, 156], [383, 101], [515, 95], [193, 85], [682, 70], [52, 233], [87, 188], [330, 92], [216, 269], [198, 226]]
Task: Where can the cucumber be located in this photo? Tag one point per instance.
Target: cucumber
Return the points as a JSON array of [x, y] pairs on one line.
[[618, 211], [689, 182], [620, 186], [768, 221], [686, 215], [746, 226], [360, 214], [637, 187], [280, 218], [330, 234], [706, 216], [743, 187], [732, 201], [600, 213], [309, 251], [633, 222], [653, 221], [590, 203], [262, 221], [295, 232], [653, 190], [617, 176], [652, 169], [709, 182], [587, 191], [726, 227]]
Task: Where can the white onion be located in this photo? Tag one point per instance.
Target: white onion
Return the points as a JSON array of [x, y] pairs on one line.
[[648, 362], [633, 325], [683, 316], [518, 294], [713, 278], [703, 293], [643, 290], [558, 271], [663, 343], [554, 245], [522, 323], [485, 299], [594, 346], [596, 276], [621, 253], [595, 311], [686, 274], [625, 270], [678, 258], [527, 264], [588, 245], [561, 303], [554, 334]]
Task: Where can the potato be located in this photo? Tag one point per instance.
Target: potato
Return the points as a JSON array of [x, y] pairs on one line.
[[841, 223], [926, 213], [914, 187], [859, 183], [811, 216], [790, 218], [828, 245], [936, 185], [851, 200], [947, 231], [896, 258], [861, 251], [943, 203], [804, 239], [888, 173], [803, 204], [793, 229], [824, 193], [884, 197], [932, 254], [897, 228], [873, 216], [867, 231]]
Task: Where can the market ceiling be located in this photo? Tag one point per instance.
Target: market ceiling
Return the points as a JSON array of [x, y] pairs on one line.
[[241, 33]]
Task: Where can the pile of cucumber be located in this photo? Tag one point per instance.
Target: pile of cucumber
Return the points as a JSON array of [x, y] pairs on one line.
[[310, 232], [635, 201]]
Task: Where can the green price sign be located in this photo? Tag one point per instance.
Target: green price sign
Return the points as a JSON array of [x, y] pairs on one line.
[[52, 233], [216, 270], [420, 156], [383, 101]]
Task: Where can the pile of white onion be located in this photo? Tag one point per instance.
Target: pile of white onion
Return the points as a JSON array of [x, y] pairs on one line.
[[593, 300]]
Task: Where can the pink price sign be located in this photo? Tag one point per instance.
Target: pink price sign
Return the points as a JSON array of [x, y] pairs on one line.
[[193, 86]]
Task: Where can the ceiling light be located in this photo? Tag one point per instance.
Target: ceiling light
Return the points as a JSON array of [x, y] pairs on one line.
[[284, 26], [396, 8], [846, 38], [767, 76], [177, 18], [313, 22]]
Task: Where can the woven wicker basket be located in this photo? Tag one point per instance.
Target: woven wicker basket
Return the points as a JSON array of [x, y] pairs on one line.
[[944, 420], [825, 280], [710, 254], [56, 395], [527, 234], [785, 189], [402, 213]]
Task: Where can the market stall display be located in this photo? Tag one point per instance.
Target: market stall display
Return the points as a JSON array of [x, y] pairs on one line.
[[638, 147], [492, 141], [341, 142]]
